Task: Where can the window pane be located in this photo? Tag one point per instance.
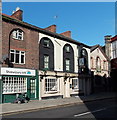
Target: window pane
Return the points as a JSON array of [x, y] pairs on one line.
[[67, 49], [50, 84], [17, 34], [14, 84], [75, 84], [46, 61], [12, 57], [67, 64], [22, 58], [17, 57], [46, 43]]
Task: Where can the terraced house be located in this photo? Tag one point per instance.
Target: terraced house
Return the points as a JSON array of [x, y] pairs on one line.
[[40, 62], [111, 51], [100, 68]]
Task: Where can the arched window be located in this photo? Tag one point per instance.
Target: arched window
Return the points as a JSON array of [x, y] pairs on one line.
[[104, 65], [46, 54], [92, 66], [98, 64], [68, 58], [17, 34], [84, 55]]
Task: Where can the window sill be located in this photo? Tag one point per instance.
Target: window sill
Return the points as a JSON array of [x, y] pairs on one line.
[[76, 90], [46, 46], [18, 39], [51, 92], [18, 63], [13, 92]]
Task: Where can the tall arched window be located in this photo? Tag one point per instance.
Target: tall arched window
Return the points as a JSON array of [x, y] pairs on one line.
[[68, 58], [46, 54], [84, 55], [98, 64]]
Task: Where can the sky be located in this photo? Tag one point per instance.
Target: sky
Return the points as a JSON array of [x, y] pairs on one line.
[[89, 22]]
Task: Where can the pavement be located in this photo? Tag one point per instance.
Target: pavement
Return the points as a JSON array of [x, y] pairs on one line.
[[33, 105]]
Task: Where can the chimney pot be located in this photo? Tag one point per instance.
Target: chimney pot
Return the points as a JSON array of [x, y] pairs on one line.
[[17, 8], [17, 14]]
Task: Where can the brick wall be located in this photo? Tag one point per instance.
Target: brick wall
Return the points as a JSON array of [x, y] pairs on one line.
[[29, 45]]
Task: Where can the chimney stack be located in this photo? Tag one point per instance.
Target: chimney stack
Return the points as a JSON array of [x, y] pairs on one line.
[[67, 34], [107, 38], [51, 28], [108, 45], [17, 14]]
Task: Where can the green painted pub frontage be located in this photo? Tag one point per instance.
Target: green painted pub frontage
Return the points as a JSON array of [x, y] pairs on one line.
[[16, 81]]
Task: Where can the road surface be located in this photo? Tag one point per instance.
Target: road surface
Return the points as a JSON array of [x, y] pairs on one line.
[[96, 109]]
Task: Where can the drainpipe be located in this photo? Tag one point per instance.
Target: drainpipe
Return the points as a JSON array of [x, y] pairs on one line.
[[38, 85]]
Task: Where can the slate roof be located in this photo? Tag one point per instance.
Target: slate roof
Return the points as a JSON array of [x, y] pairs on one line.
[[41, 30], [92, 48]]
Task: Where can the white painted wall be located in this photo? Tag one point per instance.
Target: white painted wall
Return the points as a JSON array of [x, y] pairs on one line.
[[58, 52]]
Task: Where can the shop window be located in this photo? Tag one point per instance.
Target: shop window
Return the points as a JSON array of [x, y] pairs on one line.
[[51, 85], [14, 85], [75, 84], [17, 34], [67, 64], [46, 62], [17, 57]]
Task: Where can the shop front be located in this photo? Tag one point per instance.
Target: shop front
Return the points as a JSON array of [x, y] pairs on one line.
[[16, 81]]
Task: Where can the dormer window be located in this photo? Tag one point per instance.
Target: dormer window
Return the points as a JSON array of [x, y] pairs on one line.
[[18, 34], [46, 43]]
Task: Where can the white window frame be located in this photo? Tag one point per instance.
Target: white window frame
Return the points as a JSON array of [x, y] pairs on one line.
[[46, 43], [67, 48], [75, 84], [67, 64], [46, 61], [20, 56], [51, 85], [14, 85], [17, 34]]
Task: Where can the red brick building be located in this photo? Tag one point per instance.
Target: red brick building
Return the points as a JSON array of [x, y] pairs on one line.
[[26, 43], [41, 62]]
